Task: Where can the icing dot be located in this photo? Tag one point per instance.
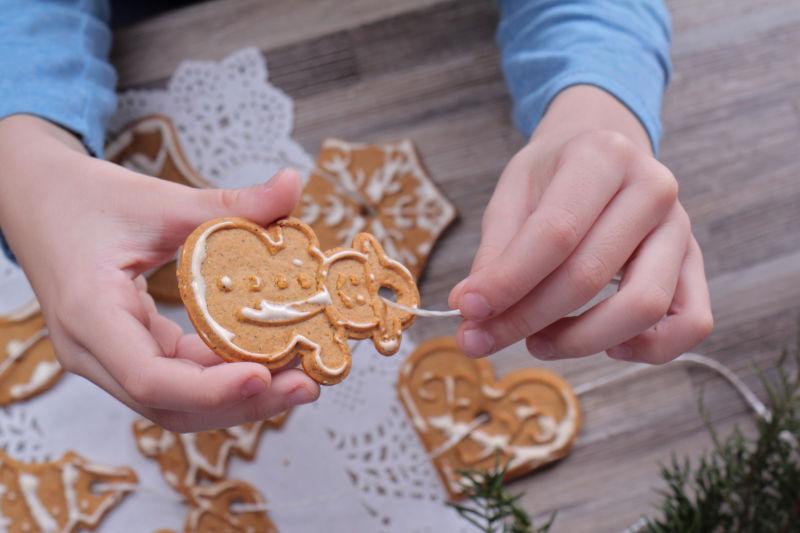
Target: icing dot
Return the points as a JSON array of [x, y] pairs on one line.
[[360, 300], [225, 283], [297, 262]]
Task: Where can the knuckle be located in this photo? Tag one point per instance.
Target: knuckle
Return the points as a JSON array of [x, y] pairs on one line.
[[652, 303], [562, 231], [211, 399], [519, 325], [588, 275], [139, 389], [600, 143], [702, 325], [663, 185], [227, 199]]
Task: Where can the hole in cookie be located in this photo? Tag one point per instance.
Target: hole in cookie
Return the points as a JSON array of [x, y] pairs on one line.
[[387, 293], [484, 417]]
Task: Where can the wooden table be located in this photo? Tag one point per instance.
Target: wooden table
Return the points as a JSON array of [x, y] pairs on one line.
[[428, 69]]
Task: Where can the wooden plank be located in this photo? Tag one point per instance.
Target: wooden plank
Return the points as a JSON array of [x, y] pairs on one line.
[[211, 30]]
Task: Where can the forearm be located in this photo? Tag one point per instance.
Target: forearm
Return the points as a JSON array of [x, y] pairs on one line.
[[621, 47]]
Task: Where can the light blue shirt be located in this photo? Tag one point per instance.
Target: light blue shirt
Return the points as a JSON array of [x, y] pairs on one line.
[[54, 59]]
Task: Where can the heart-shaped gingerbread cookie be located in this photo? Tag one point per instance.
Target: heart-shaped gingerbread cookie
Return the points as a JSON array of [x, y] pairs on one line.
[[531, 416], [272, 296]]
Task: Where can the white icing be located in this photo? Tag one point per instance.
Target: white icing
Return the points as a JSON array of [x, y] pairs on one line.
[[491, 392], [554, 437], [297, 262], [226, 282], [422, 312], [334, 371], [272, 312], [390, 345], [139, 162], [29, 485], [15, 348], [42, 374], [416, 418]]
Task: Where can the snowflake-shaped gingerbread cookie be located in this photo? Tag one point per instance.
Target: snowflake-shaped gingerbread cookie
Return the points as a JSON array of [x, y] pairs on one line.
[[381, 189]]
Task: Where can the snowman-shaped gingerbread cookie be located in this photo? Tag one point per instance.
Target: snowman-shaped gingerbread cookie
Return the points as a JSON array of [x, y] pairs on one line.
[[272, 296]]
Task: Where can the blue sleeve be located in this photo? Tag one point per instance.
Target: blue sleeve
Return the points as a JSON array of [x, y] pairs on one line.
[[54, 64], [621, 46]]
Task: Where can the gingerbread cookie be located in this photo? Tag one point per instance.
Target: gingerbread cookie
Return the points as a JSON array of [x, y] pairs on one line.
[[227, 506], [28, 363], [466, 417], [272, 296], [381, 189], [63, 496], [150, 146], [186, 459]]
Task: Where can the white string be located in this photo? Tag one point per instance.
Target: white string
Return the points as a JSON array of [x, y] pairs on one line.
[[453, 441], [693, 358], [422, 312]]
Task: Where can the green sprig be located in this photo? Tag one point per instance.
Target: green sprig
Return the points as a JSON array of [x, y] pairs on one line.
[[490, 507]]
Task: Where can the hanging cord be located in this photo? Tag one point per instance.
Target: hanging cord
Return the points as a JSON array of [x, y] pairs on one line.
[[422, 312], [692, 358]]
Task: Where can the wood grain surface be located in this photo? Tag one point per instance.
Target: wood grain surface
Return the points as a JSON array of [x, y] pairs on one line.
[[371, 70]]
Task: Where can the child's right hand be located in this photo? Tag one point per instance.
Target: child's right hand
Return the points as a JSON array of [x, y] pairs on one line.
[[84, 231]]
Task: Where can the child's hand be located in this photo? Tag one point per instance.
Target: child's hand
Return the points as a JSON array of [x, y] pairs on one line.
[[585, 199], [85, 231]]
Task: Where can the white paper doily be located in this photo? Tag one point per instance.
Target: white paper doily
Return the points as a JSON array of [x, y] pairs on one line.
[[234, 126]]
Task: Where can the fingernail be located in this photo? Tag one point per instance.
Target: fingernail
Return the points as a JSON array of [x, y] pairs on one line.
[[477, 342], [301, 395], [541, 348], [252, 386], [620, 352], [475, 307]]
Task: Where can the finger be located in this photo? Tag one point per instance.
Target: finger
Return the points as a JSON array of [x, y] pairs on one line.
[[616, 235], [688, 321], [586, 180], [187, 208], [505, 214], [128, 351], [289, 388], [644, 296], [192, 348]]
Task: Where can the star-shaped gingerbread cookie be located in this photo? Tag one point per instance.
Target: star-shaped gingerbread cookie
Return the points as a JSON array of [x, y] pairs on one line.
[[381, 189]]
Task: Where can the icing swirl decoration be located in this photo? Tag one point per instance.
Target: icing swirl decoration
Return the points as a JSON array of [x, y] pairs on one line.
[[381, 189], [465, 416], [28, 364], [318, 300]]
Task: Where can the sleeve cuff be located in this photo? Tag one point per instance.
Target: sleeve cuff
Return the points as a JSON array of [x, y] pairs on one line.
[[532, 108]]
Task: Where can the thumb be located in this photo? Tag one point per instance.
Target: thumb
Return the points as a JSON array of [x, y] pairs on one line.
[[263, 203]]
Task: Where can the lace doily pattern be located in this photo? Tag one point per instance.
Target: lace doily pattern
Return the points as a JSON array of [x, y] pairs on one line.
[[233, 125]]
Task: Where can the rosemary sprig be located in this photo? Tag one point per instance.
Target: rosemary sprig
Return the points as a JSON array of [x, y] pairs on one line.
[[490, 507], [744, 483]]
